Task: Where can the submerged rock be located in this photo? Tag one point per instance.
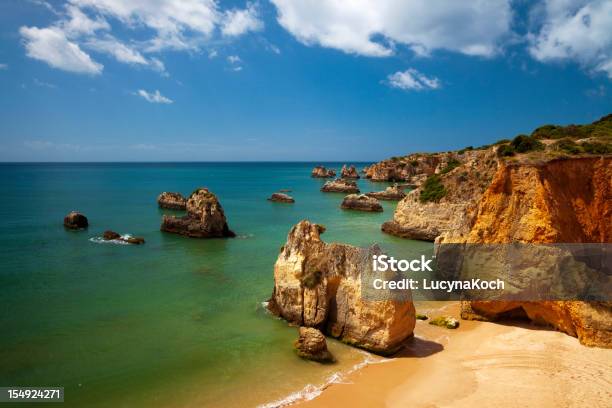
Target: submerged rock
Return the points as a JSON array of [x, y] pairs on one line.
[[420, 316], [391, 193], [75, 221], [317, 284], [340, 186], [349, 172], [171, 201], [205, 218], [281, 198], [311, 344], [114, 236], [361, 202], [444, 321], [322, 172]]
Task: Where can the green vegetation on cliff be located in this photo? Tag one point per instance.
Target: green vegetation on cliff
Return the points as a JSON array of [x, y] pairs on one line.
[[433, 190]]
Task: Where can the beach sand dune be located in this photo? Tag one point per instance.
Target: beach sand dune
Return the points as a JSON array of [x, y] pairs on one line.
[[479, 365]]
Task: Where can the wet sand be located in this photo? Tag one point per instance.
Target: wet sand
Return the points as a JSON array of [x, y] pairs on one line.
[[481, 364]]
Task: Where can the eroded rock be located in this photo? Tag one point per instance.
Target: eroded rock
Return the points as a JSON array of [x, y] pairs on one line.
[[322, 172], [340, 186], [391, 193], [281, 198], [172, 201], [114, 236], [319, 285], [349, 172], [361, 202], [311, 344], [75, 221], [205, 218]]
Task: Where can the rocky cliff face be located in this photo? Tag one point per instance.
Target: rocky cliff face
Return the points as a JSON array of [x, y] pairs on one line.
[[317, 284], [463, 179], [205, 218], [561, 201]]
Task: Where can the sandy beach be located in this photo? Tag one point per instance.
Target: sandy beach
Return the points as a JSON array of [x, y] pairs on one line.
[[481, 364]]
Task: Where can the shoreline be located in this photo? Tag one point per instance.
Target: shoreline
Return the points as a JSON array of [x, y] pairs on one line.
[[478, 364]]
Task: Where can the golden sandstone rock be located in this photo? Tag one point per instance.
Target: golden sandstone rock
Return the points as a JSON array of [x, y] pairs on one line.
[[317, 284]]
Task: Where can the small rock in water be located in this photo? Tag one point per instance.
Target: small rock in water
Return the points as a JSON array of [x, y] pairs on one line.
[[445, 321], [420, 316], [281, 198], [361, 202], [112, 235], [349, 172], [75, 221], [322, 172], [311, 345], [340, 186]]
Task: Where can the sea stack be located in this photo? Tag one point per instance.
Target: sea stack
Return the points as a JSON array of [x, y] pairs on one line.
[[319, 285], [349, 172], [172, 201], [75, 221], [340, 186], [205, 218], [281, 198], [322, 172], [361, 202]]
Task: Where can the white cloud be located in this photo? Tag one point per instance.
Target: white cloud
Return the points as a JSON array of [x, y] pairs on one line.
[[237, 22], [149, 26], [78, 22], [51, 46], [372, 28], [171, 20], [153, 97], [3, 66], [233, 59], [213, 54], [411, 79], [575, 30]]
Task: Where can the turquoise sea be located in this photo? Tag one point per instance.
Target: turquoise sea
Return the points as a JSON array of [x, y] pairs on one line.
[[177, 321]]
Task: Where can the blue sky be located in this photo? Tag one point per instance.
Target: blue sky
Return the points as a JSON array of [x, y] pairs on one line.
[[199, 80]]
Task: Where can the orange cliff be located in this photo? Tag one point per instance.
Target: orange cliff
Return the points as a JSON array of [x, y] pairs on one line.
[[561, 201]]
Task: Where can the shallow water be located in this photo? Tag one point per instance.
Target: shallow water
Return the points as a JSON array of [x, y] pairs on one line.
[[173, 322]]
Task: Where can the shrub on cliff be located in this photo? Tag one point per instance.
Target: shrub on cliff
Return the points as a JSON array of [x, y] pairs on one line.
[[452, 164], [433, 190], [524, 144], [568, 146], [596, 148], [505, 151]]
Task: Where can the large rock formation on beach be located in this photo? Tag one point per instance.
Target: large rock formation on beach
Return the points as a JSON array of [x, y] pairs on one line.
[[322, 172], [205, 218], [340, 186], [554, 186], [172, 201], [349, 172], [311, 344], [75, 221], [361, 202], [391, 193], [319, 285], [281, 198]]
